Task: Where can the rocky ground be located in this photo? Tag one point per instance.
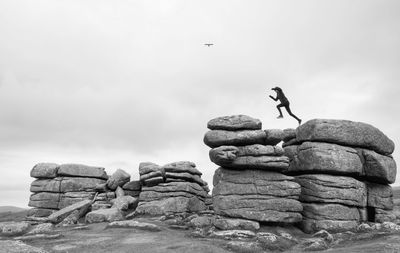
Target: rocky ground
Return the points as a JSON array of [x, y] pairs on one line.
[[155, 235]]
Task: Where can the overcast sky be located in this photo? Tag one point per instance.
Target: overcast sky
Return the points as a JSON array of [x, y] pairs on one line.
[[116, 83]]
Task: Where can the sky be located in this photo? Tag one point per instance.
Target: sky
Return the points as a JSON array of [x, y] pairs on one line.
[[116, 83]]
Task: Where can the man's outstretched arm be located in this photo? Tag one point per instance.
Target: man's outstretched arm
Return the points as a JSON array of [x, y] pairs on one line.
[[276, 99]]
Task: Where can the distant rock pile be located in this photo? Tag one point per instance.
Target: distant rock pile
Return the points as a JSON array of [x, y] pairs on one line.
[[250, 184], [344, 169], [170, 189], [59, 186]]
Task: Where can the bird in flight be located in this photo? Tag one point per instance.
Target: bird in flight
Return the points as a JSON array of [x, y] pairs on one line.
[[208, 44]]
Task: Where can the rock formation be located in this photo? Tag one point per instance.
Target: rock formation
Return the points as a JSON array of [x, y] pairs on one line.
[[173, 188], [250, 184], [344, 169], [58, 186]]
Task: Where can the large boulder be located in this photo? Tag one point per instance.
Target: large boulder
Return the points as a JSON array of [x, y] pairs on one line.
[[317, 157], [274, 136], [216, 138], [45, 170], [379, 168], [380, 196], [80, 170], [118, 178], [332, 189], [132, 186], [345, 132], [234, 122], [330, 217], [125, 203]]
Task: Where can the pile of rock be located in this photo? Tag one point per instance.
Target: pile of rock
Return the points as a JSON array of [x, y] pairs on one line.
[[344, 169], [57, 186], [173, 188], [250, 184]]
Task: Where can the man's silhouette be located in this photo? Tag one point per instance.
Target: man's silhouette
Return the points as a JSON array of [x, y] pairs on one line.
[[284, 103]]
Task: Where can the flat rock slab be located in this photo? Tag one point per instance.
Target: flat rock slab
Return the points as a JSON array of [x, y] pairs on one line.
[[345, 132], [60, 215], [46, 185], [186, 177], [228, 234], [147, 167], [80, 170], [216, 138], [15, 246], [318, 157], [14, 228], [380, 196], [234, 122], [172, 187], [181, 167], [40, 212], [104, 215], [134, 224], [76, 184], [258, 208], [266, 184], [332, 189], [274, 136], [118, 178], [44, 170], [379, 168], [70, 198]]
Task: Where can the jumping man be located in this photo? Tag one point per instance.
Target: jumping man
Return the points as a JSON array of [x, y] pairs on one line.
[[284, 103]]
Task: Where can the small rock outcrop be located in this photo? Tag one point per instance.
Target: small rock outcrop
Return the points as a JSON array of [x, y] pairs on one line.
[[170, 189], [344, 169], [250, 184]]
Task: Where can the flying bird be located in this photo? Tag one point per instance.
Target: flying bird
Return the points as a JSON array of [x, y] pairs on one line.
[[208, 44]]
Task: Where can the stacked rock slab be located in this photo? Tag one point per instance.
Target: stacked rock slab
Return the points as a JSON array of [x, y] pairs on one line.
[[249, 184], [57, 186], [344, 169], [170, 189]]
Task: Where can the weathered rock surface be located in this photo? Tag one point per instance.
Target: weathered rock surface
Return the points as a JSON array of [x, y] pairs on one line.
[[44, 200], [379, 168], [181, 167], [118, 178], [330, 217], [76, 184], [80, 170], [46, 185], [274, 136], [44, 170], [317, 157], [382, 215], [259, 208], [133, 186], [13, 228], [135, 225], [103, 215], [289, 134], [170, 206], [170, 189], [236, 224], [233, 123], [332, 189], [216, 138], [69, 198], [253, 182], [346, 133], [125, 202], [380, 196]]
